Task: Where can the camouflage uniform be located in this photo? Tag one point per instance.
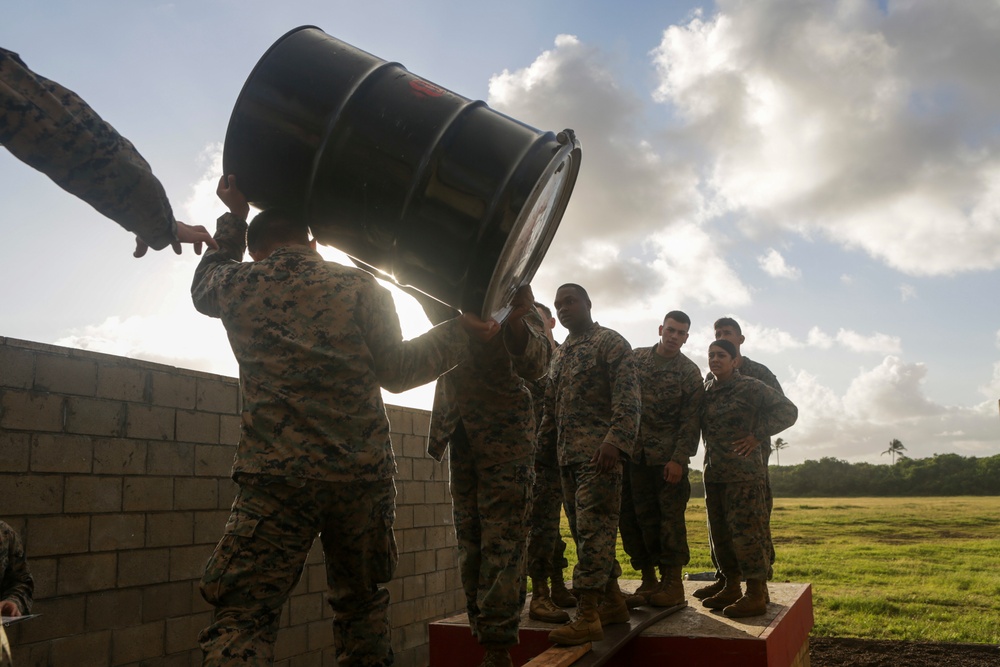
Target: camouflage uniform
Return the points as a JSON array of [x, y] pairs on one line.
[[482, 408], [16, 583], [51, 129], [314, 340], [592, 398], [735, 485], [672, 392]]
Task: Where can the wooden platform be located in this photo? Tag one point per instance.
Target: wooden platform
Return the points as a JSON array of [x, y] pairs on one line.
[[691, 637]]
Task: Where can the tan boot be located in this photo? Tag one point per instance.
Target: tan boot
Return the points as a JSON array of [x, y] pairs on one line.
[[729, 594], [671, 591], [586, 627], [559, 594], [496, 656], [712, 589], [650, 584], [541, 607], [751, 604], [613, 608]]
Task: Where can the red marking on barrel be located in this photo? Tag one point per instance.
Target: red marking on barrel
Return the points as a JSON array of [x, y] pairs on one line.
[[426, 88]]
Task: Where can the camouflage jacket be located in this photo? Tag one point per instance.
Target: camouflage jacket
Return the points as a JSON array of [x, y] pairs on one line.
[[672, 391], [51, 129], [735, 409], [487, 393], [592, 397], [314, 341], [16, 583], [759, 371]]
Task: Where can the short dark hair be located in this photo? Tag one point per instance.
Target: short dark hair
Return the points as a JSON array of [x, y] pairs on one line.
[[725, 345], [543, 307], [580, 290], [677, 316], [728, 322], [277, 225]]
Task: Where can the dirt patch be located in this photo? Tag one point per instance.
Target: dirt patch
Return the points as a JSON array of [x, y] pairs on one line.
[[839, 652]]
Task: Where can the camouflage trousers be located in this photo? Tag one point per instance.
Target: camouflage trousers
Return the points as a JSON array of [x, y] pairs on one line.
[[491, 506], [260, 558], [545, 545], [629, 526], [5, 658], [593, 506], [660, 508], [738, 521]]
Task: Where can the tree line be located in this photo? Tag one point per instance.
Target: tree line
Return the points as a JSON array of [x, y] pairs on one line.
[[938, 475]]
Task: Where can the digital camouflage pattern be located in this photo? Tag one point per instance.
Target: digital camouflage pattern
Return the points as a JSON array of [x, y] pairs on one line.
[[314, 341], [659, 509], [628, 524], [592, 398], [483, 410], [733, 410], [16, 583], [53, 130], [260, 558], [737, 520]]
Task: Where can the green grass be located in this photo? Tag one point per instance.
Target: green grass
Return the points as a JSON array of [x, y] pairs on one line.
[[881, 568]]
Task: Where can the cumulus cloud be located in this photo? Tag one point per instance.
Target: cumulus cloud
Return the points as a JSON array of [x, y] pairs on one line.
[[875, 129], [907, 292], [775, 266], [877, 342], [774, 340]]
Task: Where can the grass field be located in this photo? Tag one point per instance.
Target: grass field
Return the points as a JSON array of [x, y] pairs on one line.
[[881, 568]]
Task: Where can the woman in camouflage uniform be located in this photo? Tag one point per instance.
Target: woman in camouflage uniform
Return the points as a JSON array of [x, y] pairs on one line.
[[739, 413]]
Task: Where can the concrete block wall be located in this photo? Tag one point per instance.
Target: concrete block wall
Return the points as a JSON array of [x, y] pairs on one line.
[[116, 474]]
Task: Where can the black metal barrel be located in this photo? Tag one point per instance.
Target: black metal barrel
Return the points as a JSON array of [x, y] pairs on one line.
[[443, 193]]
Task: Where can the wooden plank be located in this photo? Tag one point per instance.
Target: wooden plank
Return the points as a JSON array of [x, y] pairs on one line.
[[559, 656]]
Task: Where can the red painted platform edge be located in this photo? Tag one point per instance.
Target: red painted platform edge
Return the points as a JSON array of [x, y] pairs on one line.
[[452, 645]]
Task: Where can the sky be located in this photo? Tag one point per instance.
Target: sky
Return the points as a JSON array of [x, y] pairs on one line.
[[827, 172]]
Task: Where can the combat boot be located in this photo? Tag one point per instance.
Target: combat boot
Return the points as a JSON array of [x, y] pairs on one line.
[[650, 584], [712, 589], [496, 656], [560, 595], [751, 604], [671, 591], [541, 607], [613, 608], [586, 627], [729, 594]]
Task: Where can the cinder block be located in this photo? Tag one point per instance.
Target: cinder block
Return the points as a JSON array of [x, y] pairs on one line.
[[409, 493], [89, 650], [447, 559], [423, 515], [62, 453], [435, 583], [122, 383], [421, 422], [410, 540], [404, 517], [227, 493], [404, 468], [406, 565], [166, 601], [170, 458], [113, 609], [31, 411], [148, 494], [444, 515], [439, 536], [95, 416], [188, 562], [64, 616], [230, 429], [90, 494], [200, 427], [18, 368], [117, 456], [423, 469], [195, 493], [306, 608], [173, 390], [57, 535], [402, 613], [14, 451], [320, 635], [425, 561], [414, 587], [143, 567], [113, 532], [213, 460], [31, 494], [64, 375], [137, 643], [87, 573], [150, 422], [414, 447], [169, 529], [400, 421], [182, 633], [217, 396], [208, 526], [436, 492]]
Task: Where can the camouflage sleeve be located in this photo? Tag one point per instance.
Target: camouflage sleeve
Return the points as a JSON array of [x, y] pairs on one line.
[[402, 365], [217, 266], [770, 379], [547, 433], [775, 413], [534, 361], [689, 431], [16, 584], [626, 398], [53, 130], [442, 418]]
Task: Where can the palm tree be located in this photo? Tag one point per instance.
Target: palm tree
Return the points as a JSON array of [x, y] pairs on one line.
[[895, 448], [778, 445]]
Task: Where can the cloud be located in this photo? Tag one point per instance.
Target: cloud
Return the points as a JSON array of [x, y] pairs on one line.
[[774, 265], [874, 129], [907, 292], [773, 340], [877, 342]]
